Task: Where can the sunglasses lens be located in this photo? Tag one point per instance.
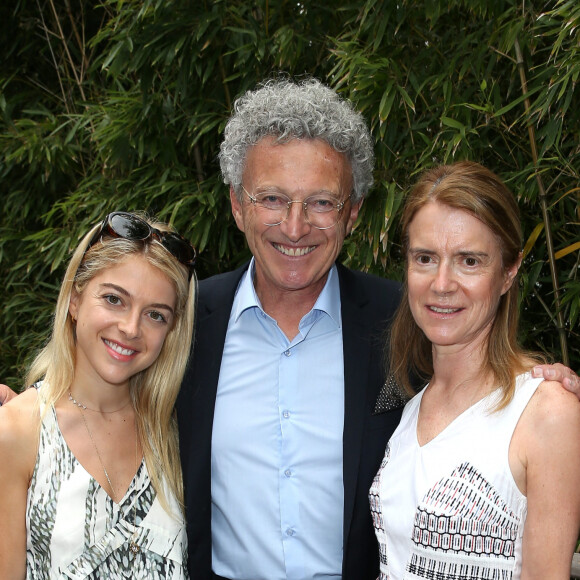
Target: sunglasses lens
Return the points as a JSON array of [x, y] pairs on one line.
[[177, 246], [129, 227]]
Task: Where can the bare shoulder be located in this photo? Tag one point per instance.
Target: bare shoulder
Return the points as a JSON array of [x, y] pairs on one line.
[[551, 400], [19, 420], [553, 411], [21, 405]]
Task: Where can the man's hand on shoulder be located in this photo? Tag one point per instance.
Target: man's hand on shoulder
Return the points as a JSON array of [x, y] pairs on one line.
[[6, 393], [561, 374]]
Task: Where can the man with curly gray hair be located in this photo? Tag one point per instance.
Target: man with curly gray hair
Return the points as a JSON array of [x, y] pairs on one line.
[[286, 111], [278, 434]]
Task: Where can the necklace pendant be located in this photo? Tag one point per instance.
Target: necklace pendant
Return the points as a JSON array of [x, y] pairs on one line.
[[75, 402], [134, 548]]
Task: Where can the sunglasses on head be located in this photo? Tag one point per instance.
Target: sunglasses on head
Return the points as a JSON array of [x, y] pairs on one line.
[[131, 227]]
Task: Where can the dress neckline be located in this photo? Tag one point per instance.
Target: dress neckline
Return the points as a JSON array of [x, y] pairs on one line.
[[101, 489], [452, 423]]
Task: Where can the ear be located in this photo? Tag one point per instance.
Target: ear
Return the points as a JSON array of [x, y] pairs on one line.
[[74, 303], [237, 209], [511, 273], [353, 215]]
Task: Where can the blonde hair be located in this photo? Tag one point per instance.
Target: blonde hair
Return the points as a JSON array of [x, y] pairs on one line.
[[153, 390], [470, 187]]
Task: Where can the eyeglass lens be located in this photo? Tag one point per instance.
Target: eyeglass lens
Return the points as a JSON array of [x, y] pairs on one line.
[[321, 211]]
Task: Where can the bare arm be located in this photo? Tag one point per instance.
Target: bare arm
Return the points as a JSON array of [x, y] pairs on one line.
[[561, 374], [550, 436], [18, 445]]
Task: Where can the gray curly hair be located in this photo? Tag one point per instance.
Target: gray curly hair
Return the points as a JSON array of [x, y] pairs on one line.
[[288, 110]]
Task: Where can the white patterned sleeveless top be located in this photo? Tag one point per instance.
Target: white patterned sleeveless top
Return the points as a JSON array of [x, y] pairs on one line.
[[451, 510], [76, 531]]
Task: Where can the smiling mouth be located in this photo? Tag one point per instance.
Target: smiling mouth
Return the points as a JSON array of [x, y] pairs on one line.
[[443, 310], [294, 252], [118, 348]]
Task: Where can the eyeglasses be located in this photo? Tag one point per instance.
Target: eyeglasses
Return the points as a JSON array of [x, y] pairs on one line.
[[321, 211], [131, 227]]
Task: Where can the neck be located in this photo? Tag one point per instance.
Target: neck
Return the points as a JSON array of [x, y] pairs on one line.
[[460, 373], [109, 399]]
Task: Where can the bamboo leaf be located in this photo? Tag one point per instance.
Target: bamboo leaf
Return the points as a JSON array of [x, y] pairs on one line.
[[448, 122], [533, 238], [568, 250]]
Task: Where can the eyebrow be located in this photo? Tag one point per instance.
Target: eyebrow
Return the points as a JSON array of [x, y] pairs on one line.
[[420, 250], [275, 189], [122, 290], [464, 253], [470, 253]]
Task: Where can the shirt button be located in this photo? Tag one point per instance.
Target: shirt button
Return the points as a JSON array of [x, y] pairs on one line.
[[289, 532], [287, 473], [286, 414], [288, 352]]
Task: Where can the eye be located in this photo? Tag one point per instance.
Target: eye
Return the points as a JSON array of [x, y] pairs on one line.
[[112, 299], [157, 316], [272, 200], [423, 259], [321, 204], [470, 261]]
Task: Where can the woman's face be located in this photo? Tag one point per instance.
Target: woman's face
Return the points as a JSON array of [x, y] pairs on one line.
[[455, 276], [122, 319]]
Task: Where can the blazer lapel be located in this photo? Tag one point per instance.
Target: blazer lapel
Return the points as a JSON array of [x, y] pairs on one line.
[[214, 309], [196, 400], [355, 337]]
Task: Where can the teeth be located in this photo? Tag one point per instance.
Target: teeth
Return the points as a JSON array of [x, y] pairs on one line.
[[294, 251], [443, 310], [118, 348]]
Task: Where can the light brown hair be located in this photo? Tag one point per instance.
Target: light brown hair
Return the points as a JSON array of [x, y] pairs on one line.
[[469, 187]]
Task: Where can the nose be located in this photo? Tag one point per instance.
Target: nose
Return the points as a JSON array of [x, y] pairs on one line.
[[130, 324], [295, 225], [444, 280]]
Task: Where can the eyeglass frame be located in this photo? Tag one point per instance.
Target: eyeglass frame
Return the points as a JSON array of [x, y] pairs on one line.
[[339, 207], [106, 228]]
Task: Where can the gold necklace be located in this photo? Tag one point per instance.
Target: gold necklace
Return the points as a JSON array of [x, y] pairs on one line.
[[133, 546], [85, 408]]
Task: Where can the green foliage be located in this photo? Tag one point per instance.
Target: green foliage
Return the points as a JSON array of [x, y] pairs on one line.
[[121, 105], [439, 81]]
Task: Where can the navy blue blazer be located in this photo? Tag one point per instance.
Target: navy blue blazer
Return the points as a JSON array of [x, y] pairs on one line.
[[367, 304]]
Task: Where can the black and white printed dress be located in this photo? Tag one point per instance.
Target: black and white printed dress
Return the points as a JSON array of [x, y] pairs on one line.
[[76, 531], [450, 510]]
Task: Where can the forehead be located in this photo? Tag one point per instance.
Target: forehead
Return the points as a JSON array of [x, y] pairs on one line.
[[436, 225], [136, 272], [298, 165]]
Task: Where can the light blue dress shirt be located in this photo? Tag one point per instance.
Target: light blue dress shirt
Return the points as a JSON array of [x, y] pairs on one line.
[[277, 486]]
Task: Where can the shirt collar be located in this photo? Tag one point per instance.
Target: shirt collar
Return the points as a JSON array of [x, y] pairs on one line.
[[328, 301]]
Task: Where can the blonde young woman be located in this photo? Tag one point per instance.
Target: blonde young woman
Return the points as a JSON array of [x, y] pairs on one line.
[[90, 476], [480, 479]]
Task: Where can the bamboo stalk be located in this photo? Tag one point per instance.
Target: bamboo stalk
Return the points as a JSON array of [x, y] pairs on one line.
[[544, 208]]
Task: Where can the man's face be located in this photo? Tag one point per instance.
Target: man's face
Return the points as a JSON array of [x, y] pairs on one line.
[[293, 256]]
